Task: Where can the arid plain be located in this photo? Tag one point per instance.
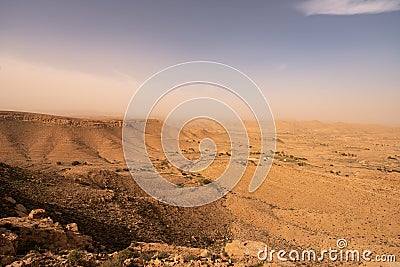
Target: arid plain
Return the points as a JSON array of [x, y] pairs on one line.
[[328, 181]]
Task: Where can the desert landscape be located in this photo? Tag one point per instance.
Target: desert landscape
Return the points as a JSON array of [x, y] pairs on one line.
[[68, 198], [199, 133]]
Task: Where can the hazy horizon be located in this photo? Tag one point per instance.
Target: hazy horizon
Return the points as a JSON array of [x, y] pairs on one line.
[[312, 61]]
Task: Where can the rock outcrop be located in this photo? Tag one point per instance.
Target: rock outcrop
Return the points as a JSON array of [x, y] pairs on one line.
[[20, 235], [59, 120]]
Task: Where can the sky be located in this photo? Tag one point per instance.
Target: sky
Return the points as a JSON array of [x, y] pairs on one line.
[[327, 60]]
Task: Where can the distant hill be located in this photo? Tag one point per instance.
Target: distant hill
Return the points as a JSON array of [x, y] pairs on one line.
[[27, 138]]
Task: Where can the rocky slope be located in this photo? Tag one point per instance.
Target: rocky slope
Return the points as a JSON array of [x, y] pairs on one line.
[[35, 240]]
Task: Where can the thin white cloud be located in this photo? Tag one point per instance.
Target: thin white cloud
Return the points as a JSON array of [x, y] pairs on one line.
[[348, 7]]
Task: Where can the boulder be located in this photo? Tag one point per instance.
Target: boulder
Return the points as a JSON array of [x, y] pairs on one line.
[[72, 227], [37, 214]]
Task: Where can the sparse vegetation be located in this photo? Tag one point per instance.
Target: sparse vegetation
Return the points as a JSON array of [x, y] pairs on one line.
[[75, 256], [190, 257], [206, 181], [127, 254], [118, 259], [113, 262], [163, 255], [344, 154], [122, 170], [282, 156], [146, 256]]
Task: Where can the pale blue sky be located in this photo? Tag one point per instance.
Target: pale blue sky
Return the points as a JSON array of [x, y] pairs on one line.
[[310, 66]]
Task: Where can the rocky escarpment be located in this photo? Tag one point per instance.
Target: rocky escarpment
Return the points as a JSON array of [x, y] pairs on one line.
[[57, 120]]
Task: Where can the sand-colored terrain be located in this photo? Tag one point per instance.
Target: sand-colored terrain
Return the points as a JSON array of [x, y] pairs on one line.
[[328, 181]]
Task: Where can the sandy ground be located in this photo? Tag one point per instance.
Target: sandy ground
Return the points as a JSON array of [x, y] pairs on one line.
[[328, 180]]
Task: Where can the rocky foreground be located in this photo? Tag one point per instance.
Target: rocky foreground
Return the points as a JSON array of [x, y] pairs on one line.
[[51, 220], [35, 240]]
